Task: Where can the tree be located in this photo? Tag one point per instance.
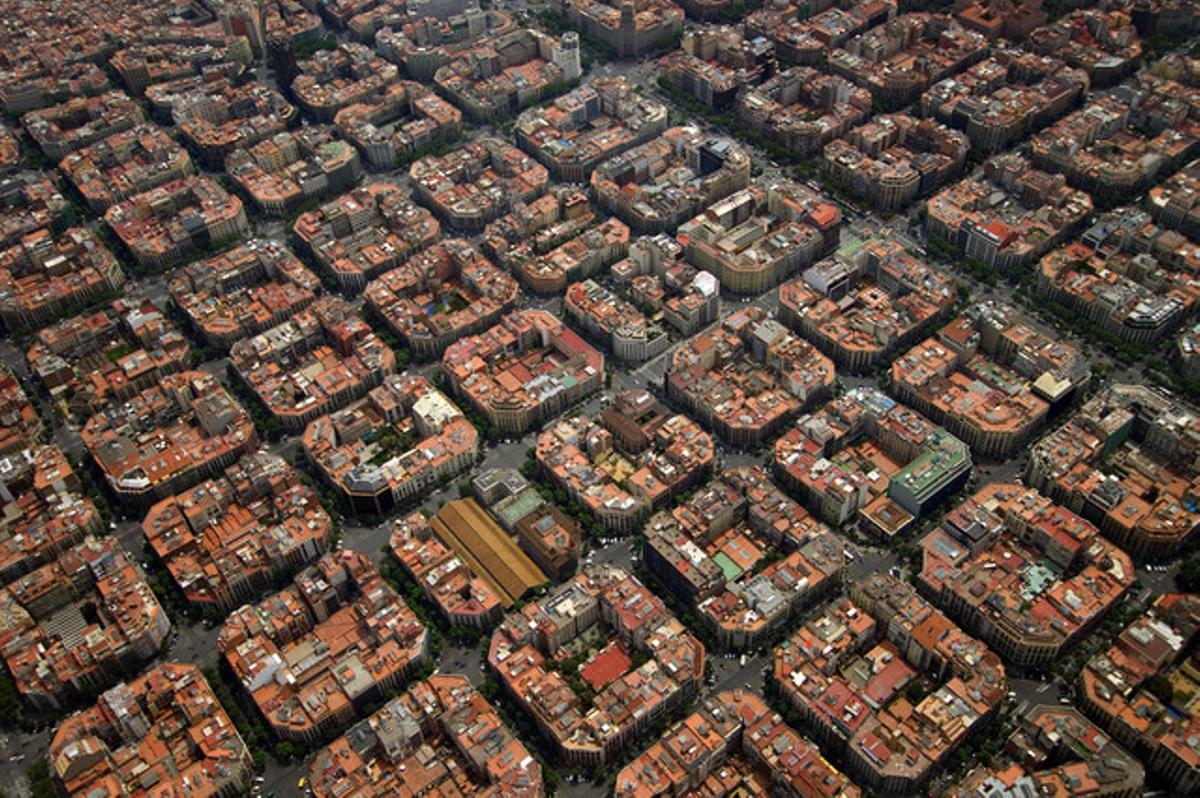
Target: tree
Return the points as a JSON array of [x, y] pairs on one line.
[[287, 751], [914, 692], [550, 779], [10, 702], [1188, 578], [1160, 687], [40, 783]]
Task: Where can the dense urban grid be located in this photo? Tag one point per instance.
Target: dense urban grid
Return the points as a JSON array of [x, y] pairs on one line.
[[617, 398]]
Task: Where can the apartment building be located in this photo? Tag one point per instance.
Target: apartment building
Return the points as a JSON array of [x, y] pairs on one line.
[[863, 447], [714, 63], [365, 232], [754, 238], [317, 362], [126, 163], [332, 79], [846, 671], [747, 378], [228, 540], [88, 361], [859, 310], [397, 122], [573, 134], [625, 330], [44, 509], [168, 437], [744, 556], [803, 109], [339, 631], [446, 579], [78, 623], [243, 292], [1004, 97], [631, 27], [702, 170], [166, 726], [732, 738], [162, 227], [43, 274], [1011, 217], [289, 170], [440, 728], [524, 370], [620, 480], [894, 158], [1115, 690], [441, 295], [952, 379], [627, 699], [1028, 576], [401, 440], [1120, 462], [477, 182], [80, 121]]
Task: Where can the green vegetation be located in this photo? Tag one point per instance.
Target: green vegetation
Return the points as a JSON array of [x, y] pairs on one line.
[[941, 249], [915, 692], [1067, 318], [521, 725], [453, 303], [268, 426], [119, 351], [10, 701], [1161, 43], [490, 432], [41, 785], [928, 6], [96, 488], [1069, 666], [432, 149], [248, 721], [1160, 687], [1163, 372], [591, 49], [530, 470], [737, 129], [310, 46], [389, 443], [439, 627], [1188, 578], [738, 11], [328, 279], [385, 334], [201, 352]]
